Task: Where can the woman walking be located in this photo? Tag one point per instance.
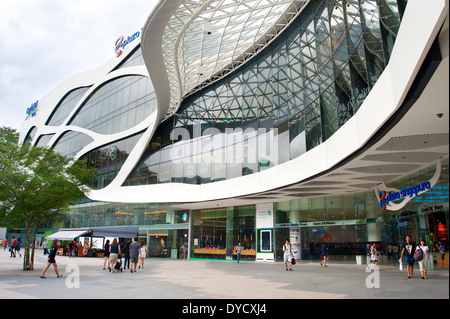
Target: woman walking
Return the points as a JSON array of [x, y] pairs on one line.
[[423, 263], [106, 255], [114, 251], [324, 251], [142, 254], [51, 260], [374, 255], [287, 255]]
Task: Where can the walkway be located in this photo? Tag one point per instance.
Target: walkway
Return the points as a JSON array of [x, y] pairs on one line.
[[200, 279]]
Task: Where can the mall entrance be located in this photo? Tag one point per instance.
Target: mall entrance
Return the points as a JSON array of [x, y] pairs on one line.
[[168, 243]]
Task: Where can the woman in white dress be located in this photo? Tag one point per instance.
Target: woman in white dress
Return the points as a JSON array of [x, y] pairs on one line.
[[142, 254], [287, 256]]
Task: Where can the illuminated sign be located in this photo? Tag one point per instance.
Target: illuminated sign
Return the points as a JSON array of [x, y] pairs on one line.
[[121, 42], [32, 109]]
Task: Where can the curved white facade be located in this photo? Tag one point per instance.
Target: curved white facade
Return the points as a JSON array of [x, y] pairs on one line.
[[179, 63]]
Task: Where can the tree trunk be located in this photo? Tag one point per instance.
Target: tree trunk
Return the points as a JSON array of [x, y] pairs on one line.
[[34, 249], [26, 254]]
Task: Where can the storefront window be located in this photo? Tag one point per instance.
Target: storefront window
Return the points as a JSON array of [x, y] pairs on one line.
[[217, 231]]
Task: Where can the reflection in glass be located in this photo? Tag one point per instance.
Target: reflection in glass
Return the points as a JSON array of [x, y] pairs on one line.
[[108, 161], [63, 109], [117, 105]]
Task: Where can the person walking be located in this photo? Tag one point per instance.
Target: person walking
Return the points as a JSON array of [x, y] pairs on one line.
[[374, 255], [114, 251], [70, 248], [17, 249], [184, 249], [45, 246], [324, 253], [423, 263], [106, 255], [287, 257], [238, 249], [442, 253], [142, 254], [126, 256], [408, 252], [51, 260], [134, 254], [12, 249]]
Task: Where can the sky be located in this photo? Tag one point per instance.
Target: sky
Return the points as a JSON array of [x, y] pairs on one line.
[[42, 42]]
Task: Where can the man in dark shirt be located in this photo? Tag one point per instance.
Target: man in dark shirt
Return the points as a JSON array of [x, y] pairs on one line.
[[408, 252], [134, 254]]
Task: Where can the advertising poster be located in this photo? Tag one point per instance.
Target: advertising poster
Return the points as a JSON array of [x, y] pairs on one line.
[[294, 237]]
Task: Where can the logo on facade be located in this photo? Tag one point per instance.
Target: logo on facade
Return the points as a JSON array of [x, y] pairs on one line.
[[394, 199], [385, 198], [32, 109], [121, 42]]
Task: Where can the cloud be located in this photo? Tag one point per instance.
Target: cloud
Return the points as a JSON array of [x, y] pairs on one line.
[[44, 41]]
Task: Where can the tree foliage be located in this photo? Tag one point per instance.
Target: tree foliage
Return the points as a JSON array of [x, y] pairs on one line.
[[36, 185]]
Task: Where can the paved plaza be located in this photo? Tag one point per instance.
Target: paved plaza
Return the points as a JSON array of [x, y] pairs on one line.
[[217, 280]]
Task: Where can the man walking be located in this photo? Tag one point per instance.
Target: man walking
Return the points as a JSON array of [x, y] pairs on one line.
[[408, 252], [134, 254], [13, 247]]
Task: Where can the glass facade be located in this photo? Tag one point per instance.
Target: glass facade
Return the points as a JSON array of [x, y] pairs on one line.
[[120, 214], [108, 160], [345, 223], [215, 233], [134, 59], [117, 105], [348, 223], [67, 104], [70, 143], [287, 100]]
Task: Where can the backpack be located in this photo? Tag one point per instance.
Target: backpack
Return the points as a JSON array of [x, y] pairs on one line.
[[418, 255]]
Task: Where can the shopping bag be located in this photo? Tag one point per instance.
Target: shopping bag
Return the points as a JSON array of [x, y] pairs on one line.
[[400, 266]]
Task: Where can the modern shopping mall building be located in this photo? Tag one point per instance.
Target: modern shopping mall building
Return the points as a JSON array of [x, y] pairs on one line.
[[257, 121]]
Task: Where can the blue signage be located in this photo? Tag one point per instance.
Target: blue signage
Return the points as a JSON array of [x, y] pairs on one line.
[[32, 109], [385, 198]]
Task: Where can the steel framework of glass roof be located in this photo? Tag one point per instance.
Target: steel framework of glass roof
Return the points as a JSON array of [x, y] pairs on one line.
[[206, 40]]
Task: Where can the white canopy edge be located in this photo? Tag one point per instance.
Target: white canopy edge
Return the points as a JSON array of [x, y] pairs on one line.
[[67, 234]]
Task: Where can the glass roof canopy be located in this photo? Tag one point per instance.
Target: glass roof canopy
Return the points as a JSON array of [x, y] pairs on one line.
[[205, 40]]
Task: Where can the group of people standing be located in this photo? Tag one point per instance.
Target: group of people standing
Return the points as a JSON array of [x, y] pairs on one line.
[[133, 253]]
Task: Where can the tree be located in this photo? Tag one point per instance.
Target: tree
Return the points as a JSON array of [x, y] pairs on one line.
[[36, 185]]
